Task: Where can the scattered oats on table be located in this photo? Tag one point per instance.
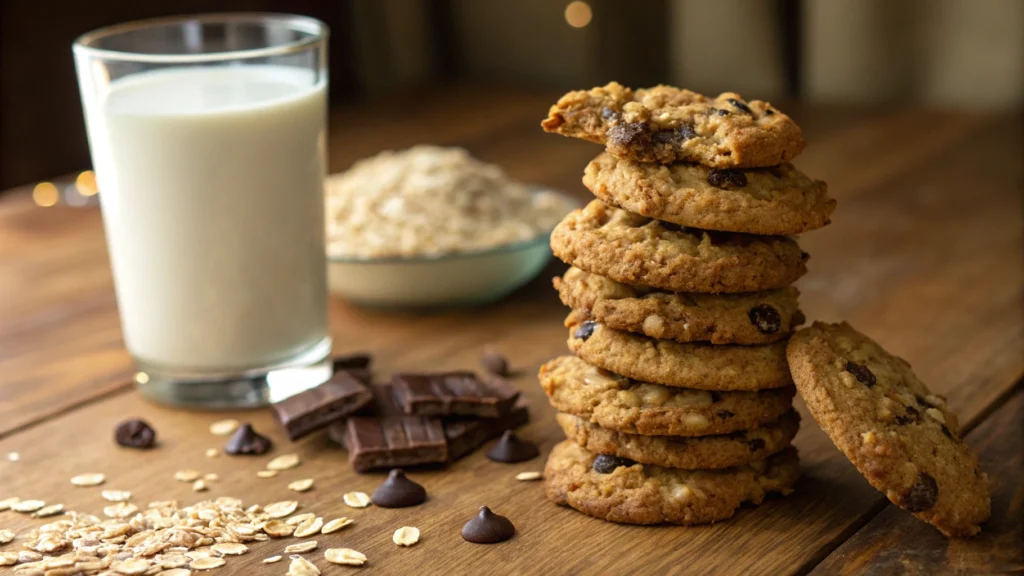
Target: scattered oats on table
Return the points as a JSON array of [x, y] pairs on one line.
[[266, 473], [528, 476], [336, 524], [346, 556], [309, 527], [186, 475], [301, 547], [300, 518], [6, 536], [26, 506], [212, 453], [207, 563], [356, 499], [278, 529], [224, 427], [199, 486], [211, 477], [13, 456], [284, 462], [120, 510], [116, 495], [301, 485], [51, 510], [90, 479], [301, 567], [229, 548], [280, 509], [272, 559], [6, 503], [406, 536]]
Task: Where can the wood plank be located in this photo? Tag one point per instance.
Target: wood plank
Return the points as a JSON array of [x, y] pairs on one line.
[[896, 542]]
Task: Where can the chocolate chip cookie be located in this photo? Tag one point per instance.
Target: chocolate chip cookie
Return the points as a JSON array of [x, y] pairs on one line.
[[665, 124], [693, 453], [683, 364], [617, 403], [748, 318], [620, 490], [634, 249], [899, 435], [780, 200]]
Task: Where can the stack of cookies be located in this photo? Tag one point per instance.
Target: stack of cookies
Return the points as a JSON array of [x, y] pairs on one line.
[[677, 402]]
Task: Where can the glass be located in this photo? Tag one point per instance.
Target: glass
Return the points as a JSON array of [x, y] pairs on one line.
[[207, 136]]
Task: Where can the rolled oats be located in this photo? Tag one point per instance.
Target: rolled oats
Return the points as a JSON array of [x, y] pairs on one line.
[[335, 525], [309, 527], [187, 475], [120, 510], [212, 453], [278, 529], [272, 559], [284, 462], [211, 477], [346, 556], [301, 547], [51, 510], [230, 548], [116, 495], [207, 563], [300, 518], [267, 473], [138, 566], [27, 506], [13, 456], [91, 479], [301, 567], [199, 485], [406, 536], [6, 503], [528, 476], [8, 558], [356, 499], [301, 485], [224, 427], [280, 509]]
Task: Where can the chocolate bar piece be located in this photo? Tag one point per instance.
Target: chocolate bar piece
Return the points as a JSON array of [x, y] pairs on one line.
[[453, 394], [317, 407], [357, 361], [386, 437], [464, 435]]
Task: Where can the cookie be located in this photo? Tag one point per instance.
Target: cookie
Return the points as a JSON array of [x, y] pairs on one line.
[[780, 200], [899, 435], [617, 403], [634, 249], [620, 490], [692, 453], [682, 364], [746, 318], [665, 124]]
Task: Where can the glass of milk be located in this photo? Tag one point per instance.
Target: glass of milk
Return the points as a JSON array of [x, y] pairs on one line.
[[207, 136]]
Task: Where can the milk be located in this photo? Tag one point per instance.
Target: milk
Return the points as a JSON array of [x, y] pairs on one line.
[[211, 186]]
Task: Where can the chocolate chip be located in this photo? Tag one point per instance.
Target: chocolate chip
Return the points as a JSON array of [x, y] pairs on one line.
[[767, 319], [922, 495], [720, 111], [861, 373], [606, 463], [739, 104], [947, 432], [686, 131], [727, 179], [135, 434], [398, 492], [903, 420], [495, 363], [913, 412], [715, 397], [247, 442], [630, 134], [488, 528], [585, 331], [725, 414], [510, 449], [609, 115], [756, 444], [769, 112]]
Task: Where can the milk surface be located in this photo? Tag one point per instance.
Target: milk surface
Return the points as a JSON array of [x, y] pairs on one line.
[[211, 182]]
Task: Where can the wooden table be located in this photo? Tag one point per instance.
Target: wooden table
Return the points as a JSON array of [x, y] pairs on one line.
[[925, 255]]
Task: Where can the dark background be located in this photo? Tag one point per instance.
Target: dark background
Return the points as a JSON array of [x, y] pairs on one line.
[[947, 53]]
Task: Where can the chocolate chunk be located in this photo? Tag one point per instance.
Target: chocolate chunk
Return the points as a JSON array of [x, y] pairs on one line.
[[727, 179], [609, 115], [465, 435], [135, 434], [488, 528], [495, 363], [922, 495], [947, 432], [902, 420], [384, 436], [766, 318], [715, 397], [317, 407], [630, 134], [358, 361], [720, 111], [724, 414], [248, 442], [585, 330], [769, 112], [756, 444], [740, 105], [861, 373], [510, 449], [606, 463], [398, 492], [453, 393], [686, 131]]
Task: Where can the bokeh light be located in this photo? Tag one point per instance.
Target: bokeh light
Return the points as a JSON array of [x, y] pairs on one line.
[[45, 194], [85, 184], [578, 14]]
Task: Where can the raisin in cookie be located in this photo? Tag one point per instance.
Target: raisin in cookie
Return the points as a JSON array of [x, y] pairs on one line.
[[694, 453], [620, 490], [683, 364], [666, 124], [780, 200], [748, 318], [638, 250], [885, 420], [617, 403]]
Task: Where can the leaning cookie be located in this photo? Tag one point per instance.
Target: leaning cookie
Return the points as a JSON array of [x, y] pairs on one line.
[[620, 490], [747, 318], [632, 407], [666, 124], [692, 453], [779, 200], [634, 249], [895, 431], [683, 364]]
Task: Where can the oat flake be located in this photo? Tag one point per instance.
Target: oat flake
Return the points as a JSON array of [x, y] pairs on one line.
[[284, 462], [116, 495], [346, 556], [309, 527], [267, 473], [301, 547], [301, 485], [230, 548], [336, 524], [224, 427], [186, 475], [51, 510], [356, 499], [302, 567], [406, 536], [25, 506], [207, 563], [91, 479], [272, 559], [6, 536], [528, 476], [281, 509]]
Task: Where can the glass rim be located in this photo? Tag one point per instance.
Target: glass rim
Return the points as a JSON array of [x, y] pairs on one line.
[[317, 29]]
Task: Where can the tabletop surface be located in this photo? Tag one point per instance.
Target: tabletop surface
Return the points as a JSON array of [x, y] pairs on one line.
[[924, 254]]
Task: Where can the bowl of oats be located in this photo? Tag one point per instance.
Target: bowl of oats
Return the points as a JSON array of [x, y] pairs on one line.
[[432, 226]]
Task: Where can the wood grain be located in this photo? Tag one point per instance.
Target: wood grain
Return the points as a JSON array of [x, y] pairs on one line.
[[924, 255], [896, 542]]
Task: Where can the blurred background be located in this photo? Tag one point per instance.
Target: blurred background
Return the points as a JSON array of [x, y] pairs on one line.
[[396, 54]]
